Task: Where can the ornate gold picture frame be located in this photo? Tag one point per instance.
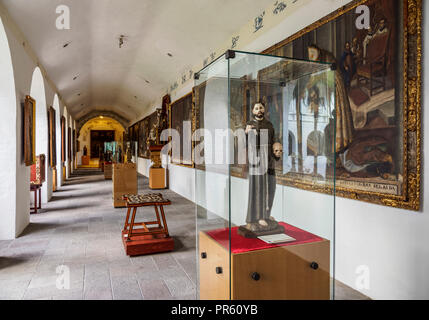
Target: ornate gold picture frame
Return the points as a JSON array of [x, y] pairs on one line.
[[29, 131], [399, 21], [52, 129], [180, 111]]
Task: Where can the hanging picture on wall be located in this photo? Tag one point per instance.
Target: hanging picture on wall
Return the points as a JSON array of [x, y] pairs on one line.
[[74, 143], [378, 84], [63, 140], [198, 106], [143, 133], [133, 134], [243, 95], [52, 137], [69, 144], [29, 131], [166, 100], [181, 120]]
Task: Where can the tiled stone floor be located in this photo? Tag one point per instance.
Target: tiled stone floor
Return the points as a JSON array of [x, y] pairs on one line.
[[80, 229]]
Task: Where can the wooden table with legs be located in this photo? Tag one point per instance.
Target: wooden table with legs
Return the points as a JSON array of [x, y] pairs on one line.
[[141, 238], [37, 189]]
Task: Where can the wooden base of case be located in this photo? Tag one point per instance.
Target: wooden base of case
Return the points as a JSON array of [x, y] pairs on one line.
[[157, 178], [146, 244]]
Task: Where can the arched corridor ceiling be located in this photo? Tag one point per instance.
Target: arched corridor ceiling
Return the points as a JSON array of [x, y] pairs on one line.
[[92, 72], [96, 114]]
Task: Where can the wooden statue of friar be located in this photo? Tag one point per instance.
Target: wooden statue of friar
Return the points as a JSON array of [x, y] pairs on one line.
[[263, 152]]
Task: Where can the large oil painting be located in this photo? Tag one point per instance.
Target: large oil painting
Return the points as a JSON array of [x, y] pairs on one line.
[[143, 133], [181, 117], [377, 79], [63, 140], [133, 136], [144, 128], [69, 144], [29, 131], [52, 137]]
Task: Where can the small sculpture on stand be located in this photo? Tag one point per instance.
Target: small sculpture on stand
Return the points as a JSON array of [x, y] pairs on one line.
[[129, 153], [263, 153], [157, 174]]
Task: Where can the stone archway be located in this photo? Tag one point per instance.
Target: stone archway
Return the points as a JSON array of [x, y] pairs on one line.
[[37, 92], [8, 141]]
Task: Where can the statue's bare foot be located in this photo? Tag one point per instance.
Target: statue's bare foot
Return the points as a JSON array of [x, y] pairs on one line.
[[252, 227], [272, 218], [263, 223]]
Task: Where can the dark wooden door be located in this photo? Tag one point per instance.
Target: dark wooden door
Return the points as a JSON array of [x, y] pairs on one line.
[[98, 138]]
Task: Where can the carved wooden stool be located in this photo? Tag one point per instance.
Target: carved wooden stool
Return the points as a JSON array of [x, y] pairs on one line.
[[141, 238], [37, 189]]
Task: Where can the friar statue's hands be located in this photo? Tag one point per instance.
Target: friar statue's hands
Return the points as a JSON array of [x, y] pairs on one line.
[[248, 128]]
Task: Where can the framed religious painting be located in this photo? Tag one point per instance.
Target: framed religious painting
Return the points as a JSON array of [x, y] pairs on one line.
[[182, 126], [52, 137], [143, 134], [198, 93], [243, 95], [63, 140], [29, 131], [152, 120], [378, 103], [166, 100], [133, 136], [69, 144], [74, 143]]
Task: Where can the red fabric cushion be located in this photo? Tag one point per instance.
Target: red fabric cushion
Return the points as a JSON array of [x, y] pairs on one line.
[[240, 244]]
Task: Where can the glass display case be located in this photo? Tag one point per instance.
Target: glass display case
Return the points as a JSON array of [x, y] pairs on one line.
[[119, 152], [131, 148], [264, 152]]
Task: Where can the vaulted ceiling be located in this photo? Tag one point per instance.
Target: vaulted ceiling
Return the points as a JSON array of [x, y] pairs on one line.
[[90, 69]]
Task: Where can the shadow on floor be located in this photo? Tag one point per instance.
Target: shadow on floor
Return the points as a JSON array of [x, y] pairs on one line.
[[33, 228], [75, 207], [11, 262], [74, 197]]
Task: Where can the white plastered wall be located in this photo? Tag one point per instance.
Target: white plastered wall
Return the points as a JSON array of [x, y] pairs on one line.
[[8, 140], [24, 62]]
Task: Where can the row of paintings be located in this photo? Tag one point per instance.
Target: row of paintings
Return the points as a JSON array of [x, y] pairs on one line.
[[30, 136], [140, 132], [377, 157]]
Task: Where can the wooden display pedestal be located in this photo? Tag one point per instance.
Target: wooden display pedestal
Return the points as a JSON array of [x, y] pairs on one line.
[[64, 173], [292, 272], [85, 160], [54, 180], [124, 182], [148, 237], [142, 245], [108, 171], [157, 179]]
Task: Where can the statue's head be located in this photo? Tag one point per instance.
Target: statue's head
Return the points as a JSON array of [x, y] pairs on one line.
[[278, 150], [382, 24], [313, 53], [259, 111], [347, 46]]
